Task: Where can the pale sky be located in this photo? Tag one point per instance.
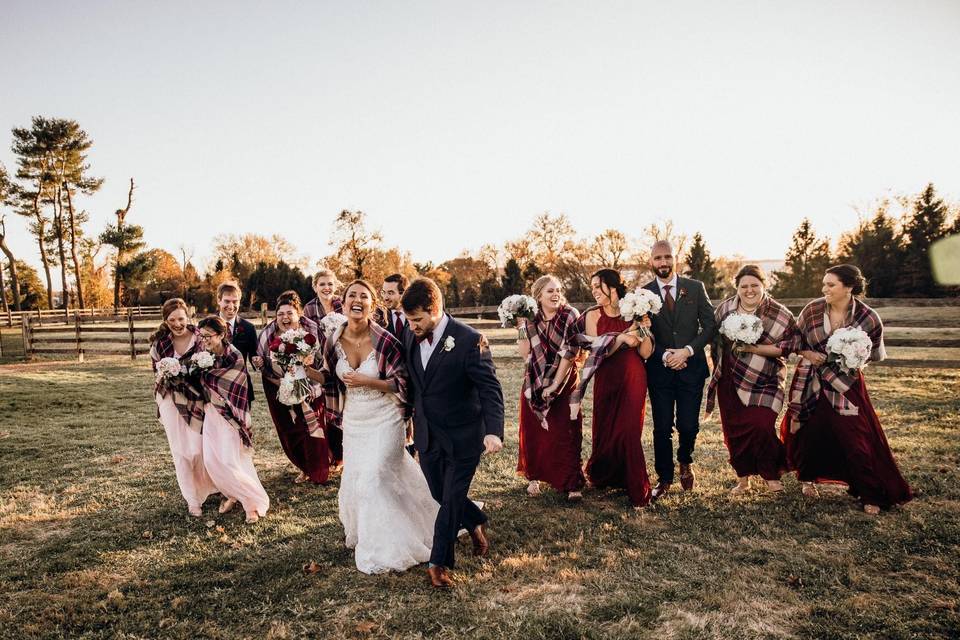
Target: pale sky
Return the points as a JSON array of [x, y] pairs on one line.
[[453, 124]]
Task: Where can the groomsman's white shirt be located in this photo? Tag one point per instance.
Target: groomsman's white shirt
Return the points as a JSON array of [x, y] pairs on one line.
[[673, 292], [427, 347]]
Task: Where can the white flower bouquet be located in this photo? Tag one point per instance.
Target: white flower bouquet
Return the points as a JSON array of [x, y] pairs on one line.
[[331, 322], [636, 304], [850, 348], [516, 306], [201, 360], [290, 350], [741, 329], [169, 371]]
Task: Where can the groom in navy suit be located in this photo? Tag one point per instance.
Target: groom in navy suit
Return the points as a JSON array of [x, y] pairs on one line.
[[457, 416]]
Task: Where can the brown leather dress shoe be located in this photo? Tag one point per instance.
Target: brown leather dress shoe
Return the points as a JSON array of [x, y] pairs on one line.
[[662, 489], [480, 544], [439, 577], [686, 477]]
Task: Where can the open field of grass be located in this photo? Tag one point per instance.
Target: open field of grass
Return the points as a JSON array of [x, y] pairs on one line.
[[95, 541]]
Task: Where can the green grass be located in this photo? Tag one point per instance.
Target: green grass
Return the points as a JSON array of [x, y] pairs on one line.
[[95, 541]]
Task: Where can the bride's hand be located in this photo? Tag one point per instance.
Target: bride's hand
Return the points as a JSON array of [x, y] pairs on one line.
[[354, 379]]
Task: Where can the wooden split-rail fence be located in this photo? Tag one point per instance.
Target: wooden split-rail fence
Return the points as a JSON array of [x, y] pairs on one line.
[[126, 333]]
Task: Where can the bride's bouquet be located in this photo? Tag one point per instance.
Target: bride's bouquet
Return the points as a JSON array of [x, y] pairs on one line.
[[741, 329], [850, 348], [170, 372], [636, 304], [289, 350], [514, 307], [331, 322]]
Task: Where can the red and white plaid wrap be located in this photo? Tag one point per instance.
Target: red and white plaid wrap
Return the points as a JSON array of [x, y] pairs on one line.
[[760, 381], [273, 373], [313, 310], [390, 366], [187, 397], [227, 388], [809, 380], [550, 342]]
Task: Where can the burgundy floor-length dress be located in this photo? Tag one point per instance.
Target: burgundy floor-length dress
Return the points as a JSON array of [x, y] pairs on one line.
[[310, 455], [619, 403], [552, 455], [830, 447], [750, 433]]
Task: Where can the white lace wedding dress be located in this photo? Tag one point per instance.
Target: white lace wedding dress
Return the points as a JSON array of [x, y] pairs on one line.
[[386, 508]]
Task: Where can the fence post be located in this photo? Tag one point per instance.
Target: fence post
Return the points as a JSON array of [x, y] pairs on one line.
[[133, 344], [27, 338], [66, 314], [263, 314], [39, 317], [9, 317], [76, 319]]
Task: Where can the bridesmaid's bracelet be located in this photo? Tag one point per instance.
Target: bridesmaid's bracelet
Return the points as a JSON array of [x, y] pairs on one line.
[[522, 334]]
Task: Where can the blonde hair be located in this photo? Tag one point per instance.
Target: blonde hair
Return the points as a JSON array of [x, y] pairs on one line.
[[541, 284], [328, 273]]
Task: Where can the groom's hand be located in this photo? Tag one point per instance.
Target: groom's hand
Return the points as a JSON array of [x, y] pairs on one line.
[[491, 444]]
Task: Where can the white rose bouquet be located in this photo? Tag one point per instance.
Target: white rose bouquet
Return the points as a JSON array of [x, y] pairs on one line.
[[850, 348], [289, 350], [514, 307], [201, 360], [741, 329], [636, 304], [170, 371], [331, 322]]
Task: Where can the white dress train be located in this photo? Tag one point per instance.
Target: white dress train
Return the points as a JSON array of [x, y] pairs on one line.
[[230, 464], [385, 505]]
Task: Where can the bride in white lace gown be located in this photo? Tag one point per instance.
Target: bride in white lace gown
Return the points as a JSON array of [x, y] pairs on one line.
[[385, 505]]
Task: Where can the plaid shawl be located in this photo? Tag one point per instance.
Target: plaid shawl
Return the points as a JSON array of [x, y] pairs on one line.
[[809, 380], [314, 310], [549, 344], [227, 388], [759, 380], [273, 373], [597, 352], [187, 397], [390, 366]]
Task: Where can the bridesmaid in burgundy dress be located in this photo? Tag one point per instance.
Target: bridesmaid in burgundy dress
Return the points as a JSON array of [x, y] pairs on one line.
[[831, 430], [620, 390], [749, 382], [301, 427], [550, 441]]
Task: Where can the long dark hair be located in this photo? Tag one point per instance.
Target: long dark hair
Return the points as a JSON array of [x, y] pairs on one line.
[[611, 278], [168, 307]]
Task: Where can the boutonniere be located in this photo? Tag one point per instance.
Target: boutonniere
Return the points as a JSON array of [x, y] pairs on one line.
[[449, 343], [683, 292]]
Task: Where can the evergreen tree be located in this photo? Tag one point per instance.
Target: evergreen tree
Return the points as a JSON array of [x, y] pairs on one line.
[[128, 240], [512, 280], [453, 293], [875, 246], [921, 228], [700, 266], [530, 273], [806, 260]]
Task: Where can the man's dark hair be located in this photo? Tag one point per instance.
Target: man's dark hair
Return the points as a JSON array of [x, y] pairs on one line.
[[399, 279], [423, 293]]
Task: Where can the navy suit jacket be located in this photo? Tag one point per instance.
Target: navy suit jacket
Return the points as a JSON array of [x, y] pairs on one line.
[[691, 323], [457, 400], [245, 340]]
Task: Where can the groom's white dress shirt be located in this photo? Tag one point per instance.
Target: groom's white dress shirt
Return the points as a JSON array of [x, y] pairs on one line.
[[427, 347]]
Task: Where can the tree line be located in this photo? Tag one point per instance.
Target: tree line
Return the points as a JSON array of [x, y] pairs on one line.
[[115, 267]]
